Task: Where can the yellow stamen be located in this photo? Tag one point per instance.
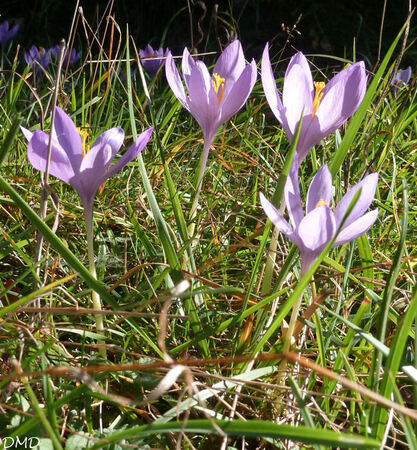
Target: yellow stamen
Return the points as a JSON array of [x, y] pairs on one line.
[[319, 85], [218, 83], [84, 136], [321, 203]]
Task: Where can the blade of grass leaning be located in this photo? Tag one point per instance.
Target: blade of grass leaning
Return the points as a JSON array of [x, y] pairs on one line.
[[357, 118], [8, 140], [249, 429], [163, 233], [190, 306], [33, 295]]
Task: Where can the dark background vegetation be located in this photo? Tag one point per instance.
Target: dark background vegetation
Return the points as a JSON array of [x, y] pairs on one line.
[[322, 26]]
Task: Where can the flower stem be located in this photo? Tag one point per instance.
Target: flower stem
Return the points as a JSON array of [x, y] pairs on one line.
[[291, 326], [294, 315], [194, 206], [88, 214], [290, 331]]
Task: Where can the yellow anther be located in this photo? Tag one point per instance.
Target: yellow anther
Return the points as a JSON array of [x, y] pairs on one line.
[[84, 134], [321, 203], [218, 83], [319, 85]]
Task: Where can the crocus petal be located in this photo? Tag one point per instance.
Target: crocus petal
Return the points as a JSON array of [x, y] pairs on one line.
[[320, 190], [298, 92], [130, 153], [292, 196], [368, 186], [271, 91], [187, 65], [341, 97], [151, 65], [317, 228], [231, 61], [60, 165], [400, 79], [357, 228], [26, 133], [68, 137], [148, 51], [174, 81], [239, 93], [101, 154], [402, 75], [277, 219], [203, 101], [230, 65], [315, 232], [199, 83]]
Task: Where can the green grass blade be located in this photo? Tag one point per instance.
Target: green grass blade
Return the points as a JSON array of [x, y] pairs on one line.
[[358, 117], [389, 289], [8, 140], [308, 419], [163, 233], [249, 429], [393, 364], [33, 295]]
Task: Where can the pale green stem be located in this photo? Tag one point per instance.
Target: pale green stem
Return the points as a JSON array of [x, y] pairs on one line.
[[290, 331], [88, 214], [194, 206], [291, 326], [294, 316]]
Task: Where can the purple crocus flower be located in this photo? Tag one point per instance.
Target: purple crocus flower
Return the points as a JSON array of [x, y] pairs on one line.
[[314, 230], [325, 107], [150, 61], [85, 171], [38, 54], [400, 79], [70, 58], [7, 33], [212, 99]]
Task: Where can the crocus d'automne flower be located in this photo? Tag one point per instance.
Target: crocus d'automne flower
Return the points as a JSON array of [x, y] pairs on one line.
[[38, 54], [212, 99], [70, 57], [325, 107], [314, 230], [85, 171], [400, 79], [7, 33], [150, 61]]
